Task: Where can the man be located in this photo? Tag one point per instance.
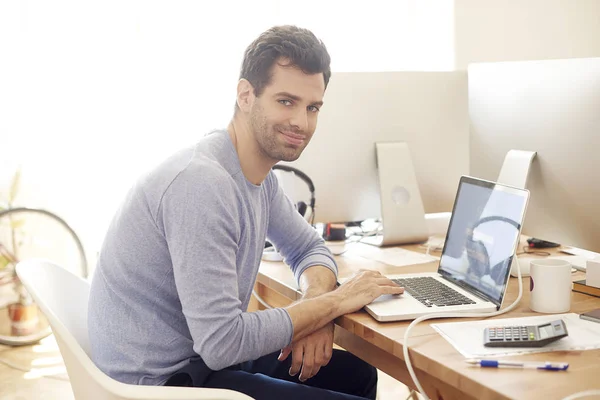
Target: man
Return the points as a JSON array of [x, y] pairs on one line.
[[179, 261]]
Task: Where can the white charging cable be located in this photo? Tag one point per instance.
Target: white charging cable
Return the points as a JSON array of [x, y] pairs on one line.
[[588, 393], [453, 315], [260, 299]]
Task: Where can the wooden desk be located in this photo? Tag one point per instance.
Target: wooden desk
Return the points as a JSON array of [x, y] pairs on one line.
[[439, 367]]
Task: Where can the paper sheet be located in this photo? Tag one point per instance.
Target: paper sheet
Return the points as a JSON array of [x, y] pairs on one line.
[[467, 337], [394, 256], [588, 255], [577, 262]]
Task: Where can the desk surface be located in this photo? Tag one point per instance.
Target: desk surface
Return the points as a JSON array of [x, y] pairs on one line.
[[439, 367]]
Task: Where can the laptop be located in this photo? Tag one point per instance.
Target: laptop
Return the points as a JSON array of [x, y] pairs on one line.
[[473, 272]]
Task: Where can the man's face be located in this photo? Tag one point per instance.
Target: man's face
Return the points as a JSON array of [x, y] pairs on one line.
[[284, 117]]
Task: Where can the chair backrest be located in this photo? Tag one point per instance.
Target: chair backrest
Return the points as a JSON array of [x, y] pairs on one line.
[[63, 298], [61, 293]]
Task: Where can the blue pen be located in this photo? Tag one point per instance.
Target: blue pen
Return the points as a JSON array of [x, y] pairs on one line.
[[548, 366]]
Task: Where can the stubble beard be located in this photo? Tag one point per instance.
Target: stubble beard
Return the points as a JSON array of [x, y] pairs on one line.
[[266, 136]]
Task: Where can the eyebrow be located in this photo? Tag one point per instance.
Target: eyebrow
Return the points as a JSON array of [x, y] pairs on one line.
[[296, 98]]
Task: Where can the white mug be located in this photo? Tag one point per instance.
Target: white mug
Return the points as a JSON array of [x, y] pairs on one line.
[[550, 286]]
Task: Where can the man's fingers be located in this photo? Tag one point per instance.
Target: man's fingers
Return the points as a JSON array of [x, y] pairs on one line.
[[323, 354], [297, 355], [307, 364], [391, 290], [285, 352], [386, 282], [328, 353], [371, 272], [319, 358]]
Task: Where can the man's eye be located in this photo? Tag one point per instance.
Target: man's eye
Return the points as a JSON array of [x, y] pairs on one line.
[[285, 102], [313, 108]]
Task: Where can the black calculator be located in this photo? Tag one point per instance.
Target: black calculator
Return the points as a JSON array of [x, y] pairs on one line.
[[524, 336]]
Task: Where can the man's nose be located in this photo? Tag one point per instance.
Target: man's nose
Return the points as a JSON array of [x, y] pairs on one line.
[[300, 120]]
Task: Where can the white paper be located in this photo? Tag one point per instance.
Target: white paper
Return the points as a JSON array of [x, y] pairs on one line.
[[588, 255], [578, 262], [394, 256], [467, 337]]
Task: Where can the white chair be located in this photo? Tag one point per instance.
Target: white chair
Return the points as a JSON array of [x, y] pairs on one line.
[[63, 298]]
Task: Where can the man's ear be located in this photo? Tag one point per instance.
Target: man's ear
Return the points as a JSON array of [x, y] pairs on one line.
[[245, 95]]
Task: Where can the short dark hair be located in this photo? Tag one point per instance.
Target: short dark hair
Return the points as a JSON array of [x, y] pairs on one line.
[[298, 45]]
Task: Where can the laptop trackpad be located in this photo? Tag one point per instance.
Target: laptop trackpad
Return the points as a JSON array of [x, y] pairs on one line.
[[404, 299]]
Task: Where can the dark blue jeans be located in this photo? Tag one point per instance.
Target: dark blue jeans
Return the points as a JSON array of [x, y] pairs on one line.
[[346, 377]]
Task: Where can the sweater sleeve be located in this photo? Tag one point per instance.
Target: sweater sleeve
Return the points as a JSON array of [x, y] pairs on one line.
[[293, 236], [202, 228]]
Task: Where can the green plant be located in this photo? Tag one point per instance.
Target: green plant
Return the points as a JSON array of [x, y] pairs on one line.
[[9, 253]]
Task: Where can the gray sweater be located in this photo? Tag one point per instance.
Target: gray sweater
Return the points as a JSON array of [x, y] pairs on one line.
[[179, 261]]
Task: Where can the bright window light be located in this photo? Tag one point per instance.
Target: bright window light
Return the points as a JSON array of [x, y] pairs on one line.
[[94, 93]]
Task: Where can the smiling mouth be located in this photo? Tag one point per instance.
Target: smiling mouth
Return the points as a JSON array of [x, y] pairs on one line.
[[293, 138], [292, 135]]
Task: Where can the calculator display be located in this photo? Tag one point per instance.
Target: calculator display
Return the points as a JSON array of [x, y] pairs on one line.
[[546, 331]]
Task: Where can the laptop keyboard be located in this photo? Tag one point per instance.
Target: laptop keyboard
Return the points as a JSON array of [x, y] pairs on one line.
[[432, 292]]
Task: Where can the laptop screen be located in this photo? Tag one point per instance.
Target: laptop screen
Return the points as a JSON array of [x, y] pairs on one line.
[[482, 237]]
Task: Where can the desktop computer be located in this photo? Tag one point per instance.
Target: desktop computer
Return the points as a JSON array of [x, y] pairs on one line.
[[425, 110], [551, 107]]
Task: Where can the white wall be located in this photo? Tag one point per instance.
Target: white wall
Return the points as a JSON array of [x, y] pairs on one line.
[[93, 93], [513, 30]]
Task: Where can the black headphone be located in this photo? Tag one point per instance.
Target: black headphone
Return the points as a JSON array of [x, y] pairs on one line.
[[479, 259], [301, 206]]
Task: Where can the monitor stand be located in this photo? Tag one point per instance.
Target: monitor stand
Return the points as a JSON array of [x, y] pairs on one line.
[[402, 212], [515, 169], [514, 172]]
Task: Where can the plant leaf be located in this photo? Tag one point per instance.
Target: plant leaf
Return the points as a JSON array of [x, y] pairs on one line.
[[14, 186], [17, 223], [4, 261]]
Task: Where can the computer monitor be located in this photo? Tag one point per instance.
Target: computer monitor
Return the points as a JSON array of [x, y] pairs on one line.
[[551, 107], [427, 110]]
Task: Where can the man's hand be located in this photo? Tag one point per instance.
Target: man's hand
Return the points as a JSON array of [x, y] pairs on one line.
[[312, 314], [311, 352], [364, 287]]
